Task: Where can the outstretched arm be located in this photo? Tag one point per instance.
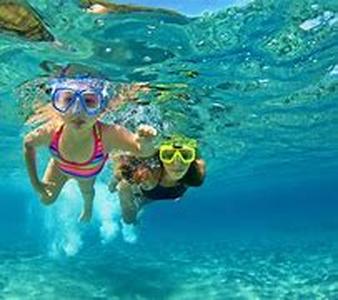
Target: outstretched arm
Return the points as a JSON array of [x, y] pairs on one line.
[[139, 144], [36, 138]]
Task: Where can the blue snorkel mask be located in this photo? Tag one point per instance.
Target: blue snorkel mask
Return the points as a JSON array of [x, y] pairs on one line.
[[81, 94]]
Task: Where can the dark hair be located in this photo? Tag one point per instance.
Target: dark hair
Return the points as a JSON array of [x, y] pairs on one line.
[[128, 165], [194, 176]]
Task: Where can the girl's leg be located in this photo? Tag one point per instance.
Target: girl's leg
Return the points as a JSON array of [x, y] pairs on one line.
[[88, 193], [54, 181], [128, 202]]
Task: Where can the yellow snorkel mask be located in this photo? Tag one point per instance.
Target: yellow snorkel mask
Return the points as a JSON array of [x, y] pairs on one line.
[[178, 147]]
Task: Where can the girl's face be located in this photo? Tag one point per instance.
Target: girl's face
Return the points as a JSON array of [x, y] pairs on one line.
[[79, 121], [79, 105], [177, 169]]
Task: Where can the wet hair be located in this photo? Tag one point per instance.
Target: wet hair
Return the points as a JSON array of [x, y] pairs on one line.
[[194, 176], [128, 166]]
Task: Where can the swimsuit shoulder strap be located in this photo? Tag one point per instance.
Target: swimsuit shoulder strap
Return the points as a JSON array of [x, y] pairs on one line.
[[98, 131], [98, 138], [55, 137]]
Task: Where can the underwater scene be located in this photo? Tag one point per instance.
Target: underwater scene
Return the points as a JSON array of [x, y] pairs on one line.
[[246, 91]]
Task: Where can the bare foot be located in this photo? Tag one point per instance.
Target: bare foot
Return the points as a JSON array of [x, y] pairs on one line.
[[129, 210], [85, 216]]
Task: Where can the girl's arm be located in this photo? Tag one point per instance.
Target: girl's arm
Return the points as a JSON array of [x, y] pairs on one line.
[[139, 144], [132, 170], [150, 179], [200, 166], [200, 170], [36, 138]]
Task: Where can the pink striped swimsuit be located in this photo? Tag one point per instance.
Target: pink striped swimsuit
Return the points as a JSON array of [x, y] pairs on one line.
[[87, 169]]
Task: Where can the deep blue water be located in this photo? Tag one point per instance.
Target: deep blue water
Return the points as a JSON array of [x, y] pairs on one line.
[[257, 85]]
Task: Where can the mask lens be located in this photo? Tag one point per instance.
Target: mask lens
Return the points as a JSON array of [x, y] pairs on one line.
[[91, 100], [63, 99], [187, 154], [167, 154]]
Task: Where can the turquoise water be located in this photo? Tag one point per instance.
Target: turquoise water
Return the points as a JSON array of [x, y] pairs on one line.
[[257, 85]]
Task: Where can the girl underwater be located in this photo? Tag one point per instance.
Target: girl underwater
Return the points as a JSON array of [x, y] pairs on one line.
[[78, 142], [167, 175]]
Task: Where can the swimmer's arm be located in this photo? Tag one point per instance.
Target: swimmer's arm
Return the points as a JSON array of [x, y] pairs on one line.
[[34, 139], [117, 174], [200, 166], [151, 181], [200, 172], [119, 138], [117, 167]]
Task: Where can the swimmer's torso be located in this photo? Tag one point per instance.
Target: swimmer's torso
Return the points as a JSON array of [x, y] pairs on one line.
[[84, 158], [160, 192]]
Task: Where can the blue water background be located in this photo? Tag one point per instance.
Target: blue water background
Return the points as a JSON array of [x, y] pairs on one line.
[[264, 107]]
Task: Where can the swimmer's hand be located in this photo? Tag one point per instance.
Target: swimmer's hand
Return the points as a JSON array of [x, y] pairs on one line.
[[146, 132], [44, 189], [146, 138], [142, 175]]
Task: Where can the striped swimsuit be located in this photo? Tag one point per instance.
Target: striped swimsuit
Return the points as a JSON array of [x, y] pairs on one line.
[[86, 169]]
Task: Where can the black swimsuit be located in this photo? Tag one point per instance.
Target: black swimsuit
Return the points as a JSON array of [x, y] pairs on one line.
[[160, 192]]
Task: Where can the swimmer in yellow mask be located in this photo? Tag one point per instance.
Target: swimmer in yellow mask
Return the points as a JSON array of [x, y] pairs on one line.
[[167, 175]]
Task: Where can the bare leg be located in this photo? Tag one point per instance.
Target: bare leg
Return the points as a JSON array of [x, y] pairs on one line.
[[55, 180], [88, 193], [112, 186], [128, 202]]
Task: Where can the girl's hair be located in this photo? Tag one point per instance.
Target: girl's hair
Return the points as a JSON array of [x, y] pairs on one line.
[[127, 165], [194, 176]]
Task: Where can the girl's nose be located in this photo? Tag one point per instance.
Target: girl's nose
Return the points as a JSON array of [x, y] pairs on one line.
[[176, 160], [77, 108]]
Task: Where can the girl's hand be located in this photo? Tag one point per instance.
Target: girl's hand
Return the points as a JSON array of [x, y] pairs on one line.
[[145, 137], [146, 178], [146, 131], [142, 175], [44, 189]]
